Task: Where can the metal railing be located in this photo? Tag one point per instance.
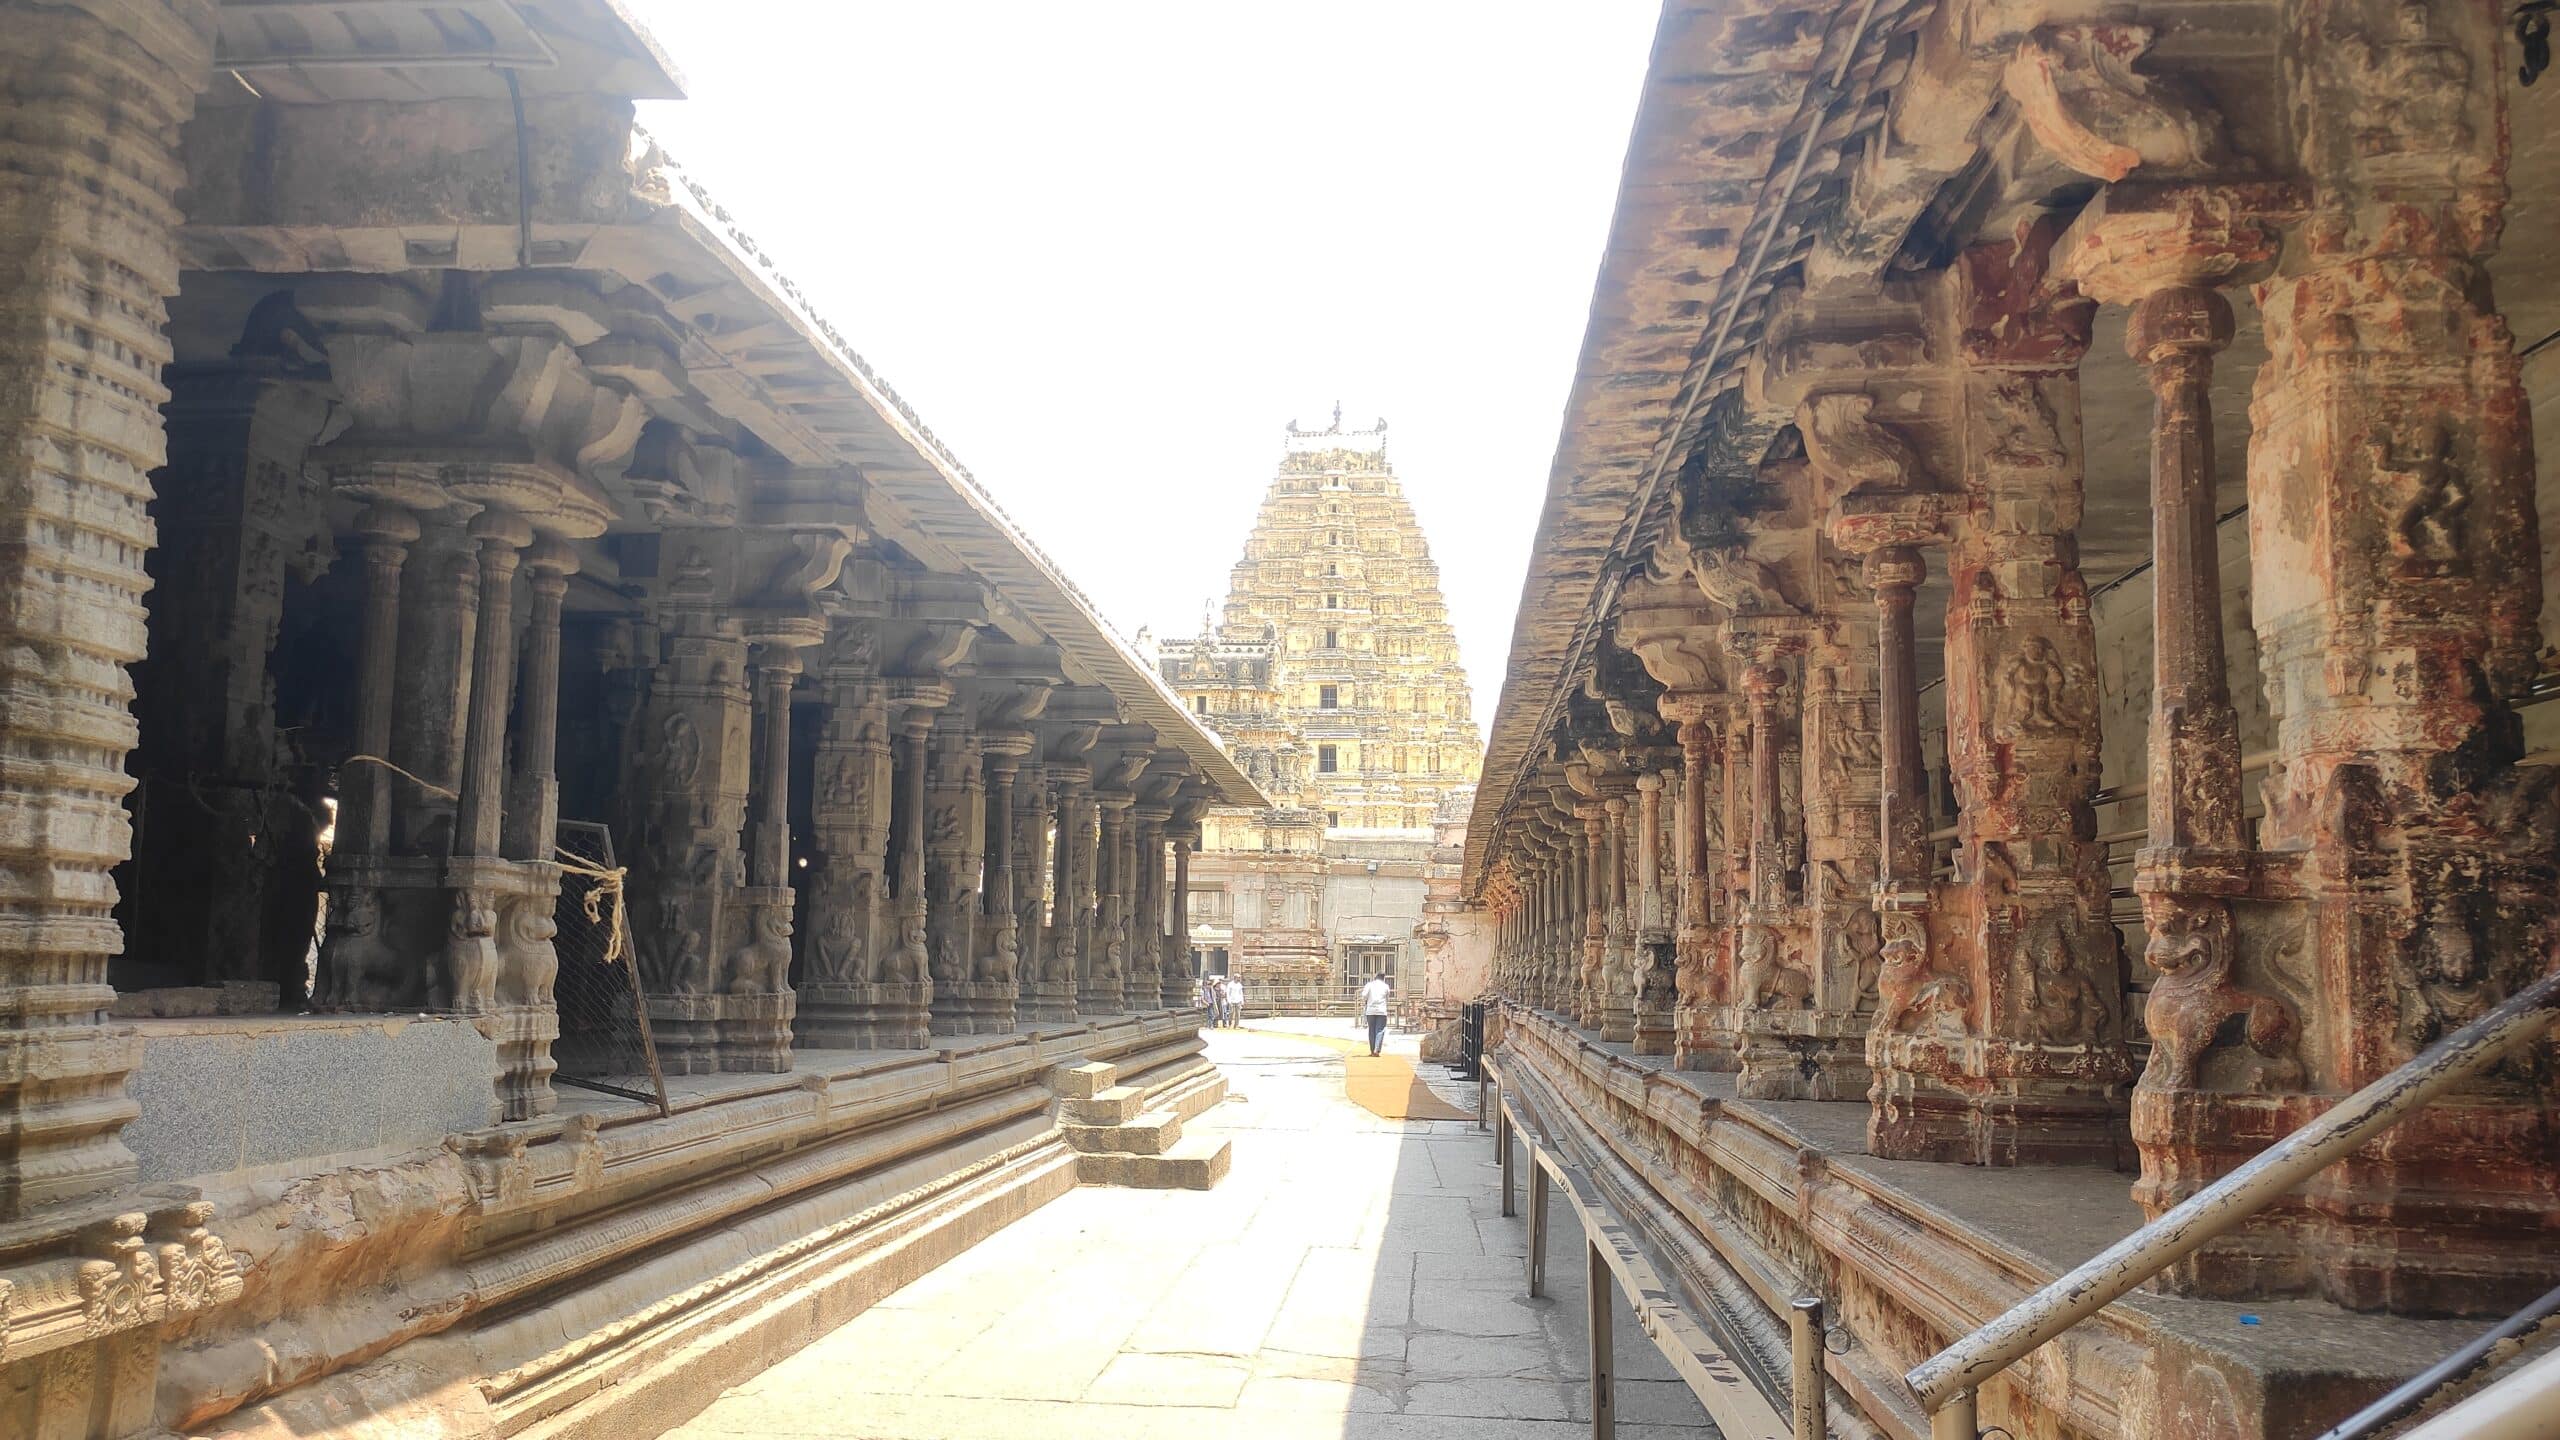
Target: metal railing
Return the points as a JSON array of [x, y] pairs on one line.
[[1947, 1384]]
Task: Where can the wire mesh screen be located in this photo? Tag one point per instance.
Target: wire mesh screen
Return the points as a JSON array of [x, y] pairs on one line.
[[604, 1039]]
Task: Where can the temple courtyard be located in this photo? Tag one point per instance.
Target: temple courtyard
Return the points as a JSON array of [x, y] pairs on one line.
[[1353, 1276]]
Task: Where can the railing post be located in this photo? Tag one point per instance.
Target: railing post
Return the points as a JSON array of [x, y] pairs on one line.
[[1537, 1228], [1955, 1420], [1804, 1337], [1602, 1289], [1502, 1138]]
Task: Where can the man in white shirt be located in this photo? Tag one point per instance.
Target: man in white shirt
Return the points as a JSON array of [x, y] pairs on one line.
[[1235, 1002], [1373, 1007]]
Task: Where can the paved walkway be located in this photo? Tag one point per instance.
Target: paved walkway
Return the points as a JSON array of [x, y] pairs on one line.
[[1352, 1279]]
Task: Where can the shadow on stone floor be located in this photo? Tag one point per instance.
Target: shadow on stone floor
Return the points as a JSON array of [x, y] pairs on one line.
[[1352, 1279]]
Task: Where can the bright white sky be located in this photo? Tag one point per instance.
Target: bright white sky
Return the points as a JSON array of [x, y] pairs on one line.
[[1108, 249]]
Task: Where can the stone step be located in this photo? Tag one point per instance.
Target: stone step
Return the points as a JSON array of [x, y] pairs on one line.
[[1117, 1105], [1195, 1163], [1080, 1082], [1152, 1133]]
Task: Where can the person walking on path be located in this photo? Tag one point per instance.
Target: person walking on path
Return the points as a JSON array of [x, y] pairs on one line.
[[1235, 1002], [1213, 995], [1373, 1008]]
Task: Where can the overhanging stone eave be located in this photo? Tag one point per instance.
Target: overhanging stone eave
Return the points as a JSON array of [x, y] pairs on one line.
[[871, 428]]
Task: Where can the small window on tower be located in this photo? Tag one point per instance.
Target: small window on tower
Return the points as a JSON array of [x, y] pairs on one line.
[[1333, 819], [1333, 639], [1199, 704], [1324, 760], [1327, 698]]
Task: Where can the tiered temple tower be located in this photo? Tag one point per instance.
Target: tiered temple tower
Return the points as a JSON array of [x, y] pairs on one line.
[[1333, 675]]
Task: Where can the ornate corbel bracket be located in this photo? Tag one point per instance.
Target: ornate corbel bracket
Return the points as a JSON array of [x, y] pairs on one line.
[[2076, 90]]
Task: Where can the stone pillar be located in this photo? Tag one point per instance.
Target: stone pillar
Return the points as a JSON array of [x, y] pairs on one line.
[[999, 933], [955, 845], [1106, 967], [694, 751], [1031, 866], [1617, 954], [498, 961], [431, 689], [757, 1004], [848, 965], [88, 231], [1774, 1014], [1590, 986], [1147, 981], [221, 885], [533, 805], [1064, 950], [1703, 982], [1654, 978], [2026, 1062], [905, 1022], [358, 969], [1179, 983]]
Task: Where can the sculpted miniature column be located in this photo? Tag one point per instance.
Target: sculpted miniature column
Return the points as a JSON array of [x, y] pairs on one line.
[[1177, 942], [1146, 924], [533, 807]]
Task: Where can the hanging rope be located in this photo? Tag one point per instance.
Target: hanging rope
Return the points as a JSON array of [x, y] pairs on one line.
[[607, 886]]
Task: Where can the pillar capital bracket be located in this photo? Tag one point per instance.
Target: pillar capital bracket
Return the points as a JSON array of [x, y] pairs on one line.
[[2135, 240]]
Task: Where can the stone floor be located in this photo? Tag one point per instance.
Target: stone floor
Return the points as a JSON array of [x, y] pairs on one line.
[[1351, 1278]]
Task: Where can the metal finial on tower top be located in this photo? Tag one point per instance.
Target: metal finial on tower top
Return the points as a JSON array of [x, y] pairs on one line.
[[1337, 419]]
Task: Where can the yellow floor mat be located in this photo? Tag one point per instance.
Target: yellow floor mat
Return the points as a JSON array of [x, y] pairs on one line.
[[1386, 1086]]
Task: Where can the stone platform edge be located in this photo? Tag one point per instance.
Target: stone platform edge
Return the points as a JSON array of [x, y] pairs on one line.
[[1751, 1200], [611, 1275]]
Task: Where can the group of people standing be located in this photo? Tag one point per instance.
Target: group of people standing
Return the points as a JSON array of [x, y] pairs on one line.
[[1223, 997]]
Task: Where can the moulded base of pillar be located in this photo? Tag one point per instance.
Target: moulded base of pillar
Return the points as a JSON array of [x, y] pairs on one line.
[[1655, 1034], [1913, 1117], [1618, 1023], [686, 1032], [1699, 1042], [1092, 999], [2431, 1231], [861, 1017], [755, 1033], [1050, 1002], [1800, 1054], [974, 1007], [524, 1036]]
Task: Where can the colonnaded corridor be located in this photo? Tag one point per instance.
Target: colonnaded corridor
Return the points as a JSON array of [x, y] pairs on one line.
[[1352, 1277]]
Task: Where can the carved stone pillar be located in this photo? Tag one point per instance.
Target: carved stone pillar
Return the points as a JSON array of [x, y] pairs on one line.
[[904, 1022], [1185, 834], [1031, 811], [1146, 924], [1778, 1025], [2024, 1062], [221, 884], [758, 1006], [1841, 779], [1702, 982], [498, 960], [1617, 955], [1064, 951], [694, 751], [1101, 989], [358, 969], [533, 803], [1654, 977], [999, 943], [846, 958], [1591, 854], [88, 233], [955, 845]]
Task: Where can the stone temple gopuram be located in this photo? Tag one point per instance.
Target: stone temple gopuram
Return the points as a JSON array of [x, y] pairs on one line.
[[2029, 690], [1333, 676], [424, 506]]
